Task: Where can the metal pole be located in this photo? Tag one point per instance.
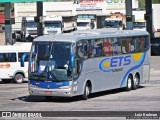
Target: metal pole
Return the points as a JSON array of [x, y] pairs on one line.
[[129, 19], [39, 14], [8, 26], [148, 17]]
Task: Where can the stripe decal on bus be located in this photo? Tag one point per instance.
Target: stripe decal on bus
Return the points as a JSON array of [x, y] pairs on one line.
[[49, 85], [140, 59]]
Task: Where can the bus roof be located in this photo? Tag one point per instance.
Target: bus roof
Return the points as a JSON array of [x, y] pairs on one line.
[[90, 34], [18, 47]]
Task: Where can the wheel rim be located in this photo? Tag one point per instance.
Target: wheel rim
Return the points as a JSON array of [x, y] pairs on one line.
[[19, 79], [87, 91], [129, 83], [136, 81]]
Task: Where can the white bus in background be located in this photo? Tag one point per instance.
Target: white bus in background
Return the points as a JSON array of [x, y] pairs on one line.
[[59, 24], [88, 61], [14, 62], [139, 22], [28, 30], [114, 23]]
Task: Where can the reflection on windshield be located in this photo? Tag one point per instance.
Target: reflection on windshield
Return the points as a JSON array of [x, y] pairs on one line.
[[139, 24], [31, 24], [51, 24], [50, 58], [82, 24], [112, 23]]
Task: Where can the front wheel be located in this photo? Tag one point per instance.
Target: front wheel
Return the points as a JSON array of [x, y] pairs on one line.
[[129, 83], [86, 92], [19, 78]]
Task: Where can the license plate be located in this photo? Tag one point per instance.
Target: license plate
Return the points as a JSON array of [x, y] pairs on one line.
[[48, 92]]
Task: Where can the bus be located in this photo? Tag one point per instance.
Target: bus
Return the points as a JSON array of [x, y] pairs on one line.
[[85, 62], [11, 59]]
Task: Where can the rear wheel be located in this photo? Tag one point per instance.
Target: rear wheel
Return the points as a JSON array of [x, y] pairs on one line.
[[19, 78], [136, 82], [86, 92], [129, 83]]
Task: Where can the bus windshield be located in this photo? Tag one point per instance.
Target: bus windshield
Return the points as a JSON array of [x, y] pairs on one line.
[[50, 60], [83, 24], [112, 23], [139, 24], [31, 24], [52, 24]]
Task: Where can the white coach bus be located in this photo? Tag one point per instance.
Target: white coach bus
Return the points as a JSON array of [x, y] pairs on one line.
[[84, 62], [11, 59]]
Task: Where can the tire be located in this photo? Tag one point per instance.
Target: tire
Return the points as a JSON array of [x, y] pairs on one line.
[[136, 81], [86, 92], [129, 83], [19, 78]]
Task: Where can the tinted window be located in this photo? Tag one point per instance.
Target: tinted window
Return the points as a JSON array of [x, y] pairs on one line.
[[79, 49], [88, 49], [117, 46], [126, 45], [98, 46], [8, 57], [107, 47], [142, 43], [20, 55]]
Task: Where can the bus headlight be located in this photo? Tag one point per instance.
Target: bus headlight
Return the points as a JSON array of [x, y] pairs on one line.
[[65, 87]]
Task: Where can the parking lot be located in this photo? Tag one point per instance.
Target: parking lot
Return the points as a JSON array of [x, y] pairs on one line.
[[15, 97]]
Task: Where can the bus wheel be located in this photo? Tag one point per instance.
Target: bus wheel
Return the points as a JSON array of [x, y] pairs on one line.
[[135, 82], [18, 78], [86, 92], [48, 98], [129, 83]]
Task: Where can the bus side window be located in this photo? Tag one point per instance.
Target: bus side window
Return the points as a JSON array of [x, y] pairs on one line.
[[1, 57], [78, 59], [146, 43], [88, 49], [98, 46], [116, 46], [133, 44], [142, 43], [126, 45], [107, 47], [79, 49], [9, 57], [136, 44]]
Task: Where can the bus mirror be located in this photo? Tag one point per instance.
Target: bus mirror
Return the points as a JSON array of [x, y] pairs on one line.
[[23, 59]]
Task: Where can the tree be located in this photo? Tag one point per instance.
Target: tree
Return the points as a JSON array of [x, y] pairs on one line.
[[141, 3]]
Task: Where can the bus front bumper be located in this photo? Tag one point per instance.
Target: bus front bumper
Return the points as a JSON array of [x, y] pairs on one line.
[[50, 92]]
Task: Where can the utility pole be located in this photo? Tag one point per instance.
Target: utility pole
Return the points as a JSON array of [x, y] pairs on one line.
[[39, 17], [8, 23], [148, 17], [129, 17]]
